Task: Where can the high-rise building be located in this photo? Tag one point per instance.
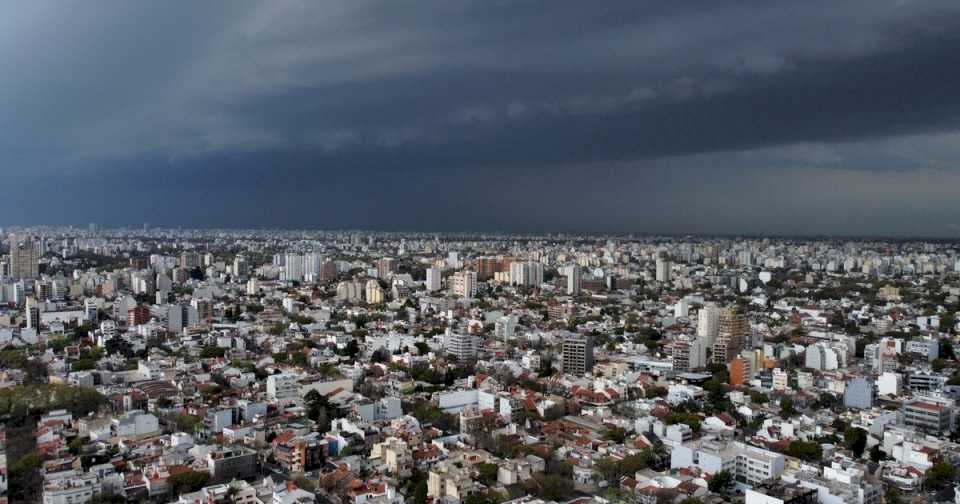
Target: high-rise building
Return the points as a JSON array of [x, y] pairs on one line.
[[32, 313], [24, 258], [663, 270], [328, 272], [91, 311], [465, 283], [486, 266], [433, 279], [708, 323], [351, 291], [573, 279], [293, 268], [312, 263], [239, 265], [733, 330], [385, 266], [140, 314], [577, 355], [740, 371], [526, 273], [190, 260], [374, 293], [689, 353]]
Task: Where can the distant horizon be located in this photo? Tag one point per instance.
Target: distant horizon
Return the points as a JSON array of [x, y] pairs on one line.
[[544, 233]]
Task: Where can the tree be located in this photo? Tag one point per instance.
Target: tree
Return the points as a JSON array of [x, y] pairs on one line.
[[655, 391], [212, 352], [554, 412], [26, 464], [615, 434], [811, 451], [691, 419], [551, 486], [876, 454], [787, 408], [488, 473], [76, 444], [855, 439], [940, 476], [107, 498], [893, 496], [380, 355], [305, 483], [352, 349], [721, 482], [187, 482], [938, 365]]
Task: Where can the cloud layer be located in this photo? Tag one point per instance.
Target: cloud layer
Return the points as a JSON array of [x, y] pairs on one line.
[[705, 116]]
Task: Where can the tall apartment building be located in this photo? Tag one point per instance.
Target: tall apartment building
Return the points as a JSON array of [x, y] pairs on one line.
[[328, 271], [486, 266], [740, 372], [32, 313], [688, 354], [526, 273], [293, 268], [190, 260], [24, 258], [663, 272], [373, 292], [733, 330], [708, 323], [385, 266], [577, 355], [574, 277], [91, 310], [433, 279], [465, 283]]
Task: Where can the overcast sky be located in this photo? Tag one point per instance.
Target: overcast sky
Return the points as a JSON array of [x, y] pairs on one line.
[[810, 117]]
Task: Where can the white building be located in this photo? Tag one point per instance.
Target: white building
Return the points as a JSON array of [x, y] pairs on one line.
[[821, 357], [526, 273], [748, 464], [465, 283], [708, 323], [663, 273], [890, 384], [573, 275], [283, 389], [135, 425], [433, 279], [462, 346], [780, 379]]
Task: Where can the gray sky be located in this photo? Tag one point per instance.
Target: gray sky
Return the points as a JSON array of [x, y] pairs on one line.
[[813, 117]]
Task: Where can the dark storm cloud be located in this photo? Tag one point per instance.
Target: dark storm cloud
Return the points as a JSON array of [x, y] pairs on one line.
[[338, 113]]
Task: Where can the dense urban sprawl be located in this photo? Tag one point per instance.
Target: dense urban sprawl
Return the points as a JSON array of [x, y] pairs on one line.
[[282, 367]]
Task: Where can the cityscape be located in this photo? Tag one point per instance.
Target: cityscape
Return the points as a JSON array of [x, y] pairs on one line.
[[209, 366], [479, 252]]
